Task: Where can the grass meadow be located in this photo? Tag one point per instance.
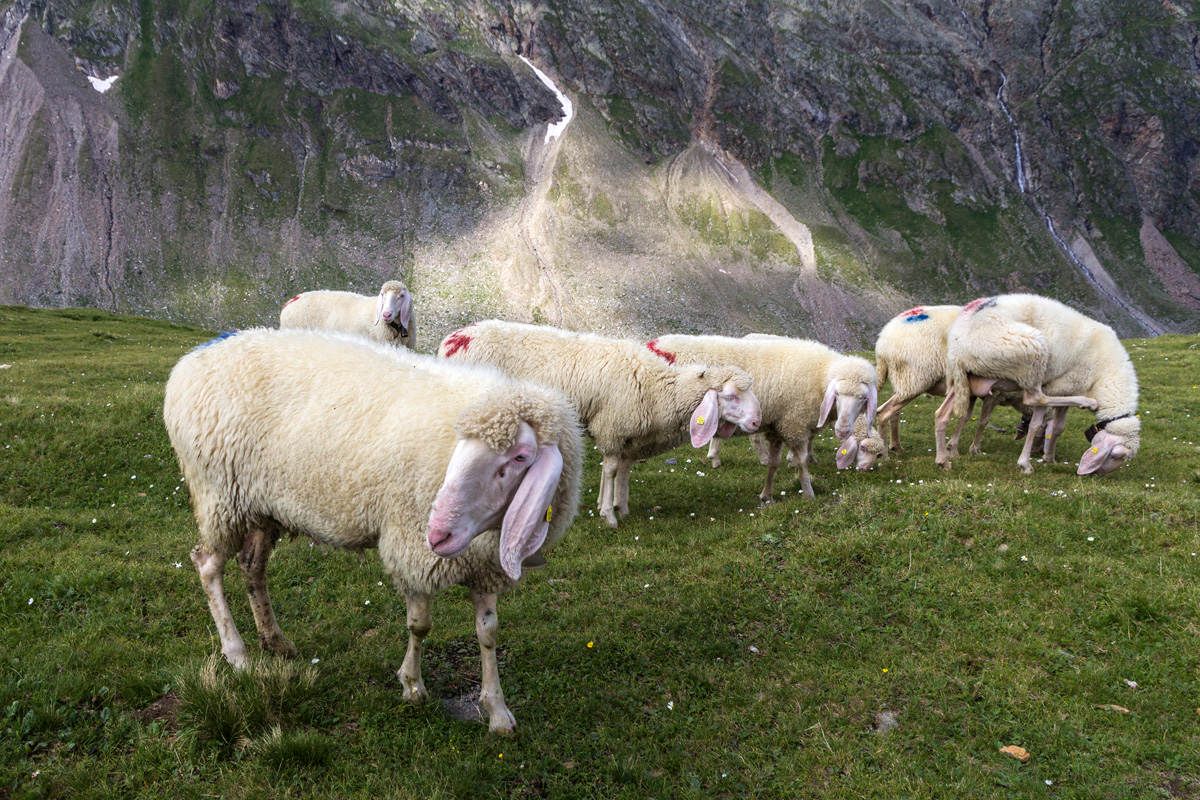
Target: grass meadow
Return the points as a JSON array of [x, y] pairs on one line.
[[883, 641]]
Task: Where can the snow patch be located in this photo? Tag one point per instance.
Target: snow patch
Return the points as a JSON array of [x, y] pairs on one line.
[[568, 107], [102, 86]]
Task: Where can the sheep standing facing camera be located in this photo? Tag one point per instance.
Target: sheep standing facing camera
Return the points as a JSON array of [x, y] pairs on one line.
[[386, 318], [1057, 358], [799, 384], [457, 474], [633, 403]]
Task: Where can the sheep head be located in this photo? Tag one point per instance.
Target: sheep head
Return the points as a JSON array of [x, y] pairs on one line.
[[394, 306], [727, 403], [852, 389], [485, 487], [1112, 447]]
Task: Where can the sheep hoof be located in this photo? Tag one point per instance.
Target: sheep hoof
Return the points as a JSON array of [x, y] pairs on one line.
[[764, 500], [714, 462], [953, 453], [279, 645], [975, 451], [1026, 468], [237, 658], [611, 519], [415, 693], [945, 464], [502, 723]]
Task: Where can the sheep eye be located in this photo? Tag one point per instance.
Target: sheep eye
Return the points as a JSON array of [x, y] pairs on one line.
[[521, 459]]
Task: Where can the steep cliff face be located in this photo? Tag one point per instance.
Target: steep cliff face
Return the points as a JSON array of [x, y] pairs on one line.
[[801, 167]]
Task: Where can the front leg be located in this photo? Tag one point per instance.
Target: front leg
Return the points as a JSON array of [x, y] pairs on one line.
[[1024, 462], [491, 696], [805, 480], [1054, 429], [774, 450], [419, 624], [608, 484], [958, 429], [941, 419], [714, 447], [623, 467], [1035, 397]]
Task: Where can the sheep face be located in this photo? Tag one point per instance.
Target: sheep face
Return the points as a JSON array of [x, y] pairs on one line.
[[851, 399], [1111, 448], [484, 488], [394, 306], [738, 408]]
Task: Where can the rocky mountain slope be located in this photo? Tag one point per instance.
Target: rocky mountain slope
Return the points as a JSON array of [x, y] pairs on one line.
[[798, 167]]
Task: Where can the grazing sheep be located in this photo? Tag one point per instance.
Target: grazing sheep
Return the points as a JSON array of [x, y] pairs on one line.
[[457, 474], [911, 352], [1057, 358], [861, 448], [356, 313], [634, 404], [798, 383]]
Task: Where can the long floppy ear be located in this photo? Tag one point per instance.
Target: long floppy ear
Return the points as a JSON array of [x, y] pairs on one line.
[[378, 309], [527, 520], [827, 403], [872, 406], [847, 453], [405, 310], [705, 419], [1098, 459]]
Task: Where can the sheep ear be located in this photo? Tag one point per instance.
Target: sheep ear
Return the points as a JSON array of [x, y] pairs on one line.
[[705, 419], [827, 403], [847, 454], [405, 309], [379, 309], [1105, 455], [872, 406], [527, 520]]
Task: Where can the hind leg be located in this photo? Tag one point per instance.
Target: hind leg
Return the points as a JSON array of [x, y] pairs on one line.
[[1054, 429], [253, 558], [211, 568], [623, 468]]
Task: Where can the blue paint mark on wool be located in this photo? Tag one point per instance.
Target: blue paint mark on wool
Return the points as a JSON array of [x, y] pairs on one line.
[[219, 338], [916, 318]]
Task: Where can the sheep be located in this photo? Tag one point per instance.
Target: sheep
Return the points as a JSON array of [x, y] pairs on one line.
[[633, 404], [861, 448], [457, 474], [911, 352], [1057, 358], [797, 381], [351, 313]]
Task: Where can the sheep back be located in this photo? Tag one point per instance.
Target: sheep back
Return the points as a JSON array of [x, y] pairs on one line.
[[347, 312]]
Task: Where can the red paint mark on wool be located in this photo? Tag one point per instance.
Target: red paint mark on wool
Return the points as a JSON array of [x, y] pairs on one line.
[[289, 302], [663, 354], [974, 304], [912, 312], [454, 343]]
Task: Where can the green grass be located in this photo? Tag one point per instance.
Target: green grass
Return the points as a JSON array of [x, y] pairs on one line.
[[707, 648]]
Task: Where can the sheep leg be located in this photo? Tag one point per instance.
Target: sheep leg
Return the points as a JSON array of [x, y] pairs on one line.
[[887, 420], [622, 488], [941, 419], [1024, 462], [1035, 397], [608, 482], [253, 558], [958, 429], [491, 696], [714, 447], [1054, 429], [985, 414], [774, 451], [419, 624], [211, 568], [805, 479]]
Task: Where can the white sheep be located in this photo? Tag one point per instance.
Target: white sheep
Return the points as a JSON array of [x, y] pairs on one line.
[[457, 474], [911, 352], [634, 404], [356, 313], [1057, 358], [798, 383], [861, 448]]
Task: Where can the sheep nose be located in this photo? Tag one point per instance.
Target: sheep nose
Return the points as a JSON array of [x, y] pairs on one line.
[[387, 316], [436, 537]]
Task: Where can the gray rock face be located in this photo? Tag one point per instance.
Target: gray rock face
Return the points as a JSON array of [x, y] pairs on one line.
[[259, 149]]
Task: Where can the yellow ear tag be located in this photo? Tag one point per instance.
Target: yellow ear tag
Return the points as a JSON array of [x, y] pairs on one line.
[[699, 420], [549, 511], [843, 451], [1095, 449], [1048, 434]]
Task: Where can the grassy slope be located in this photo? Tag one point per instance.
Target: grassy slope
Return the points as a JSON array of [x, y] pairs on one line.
[[739, 652]]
